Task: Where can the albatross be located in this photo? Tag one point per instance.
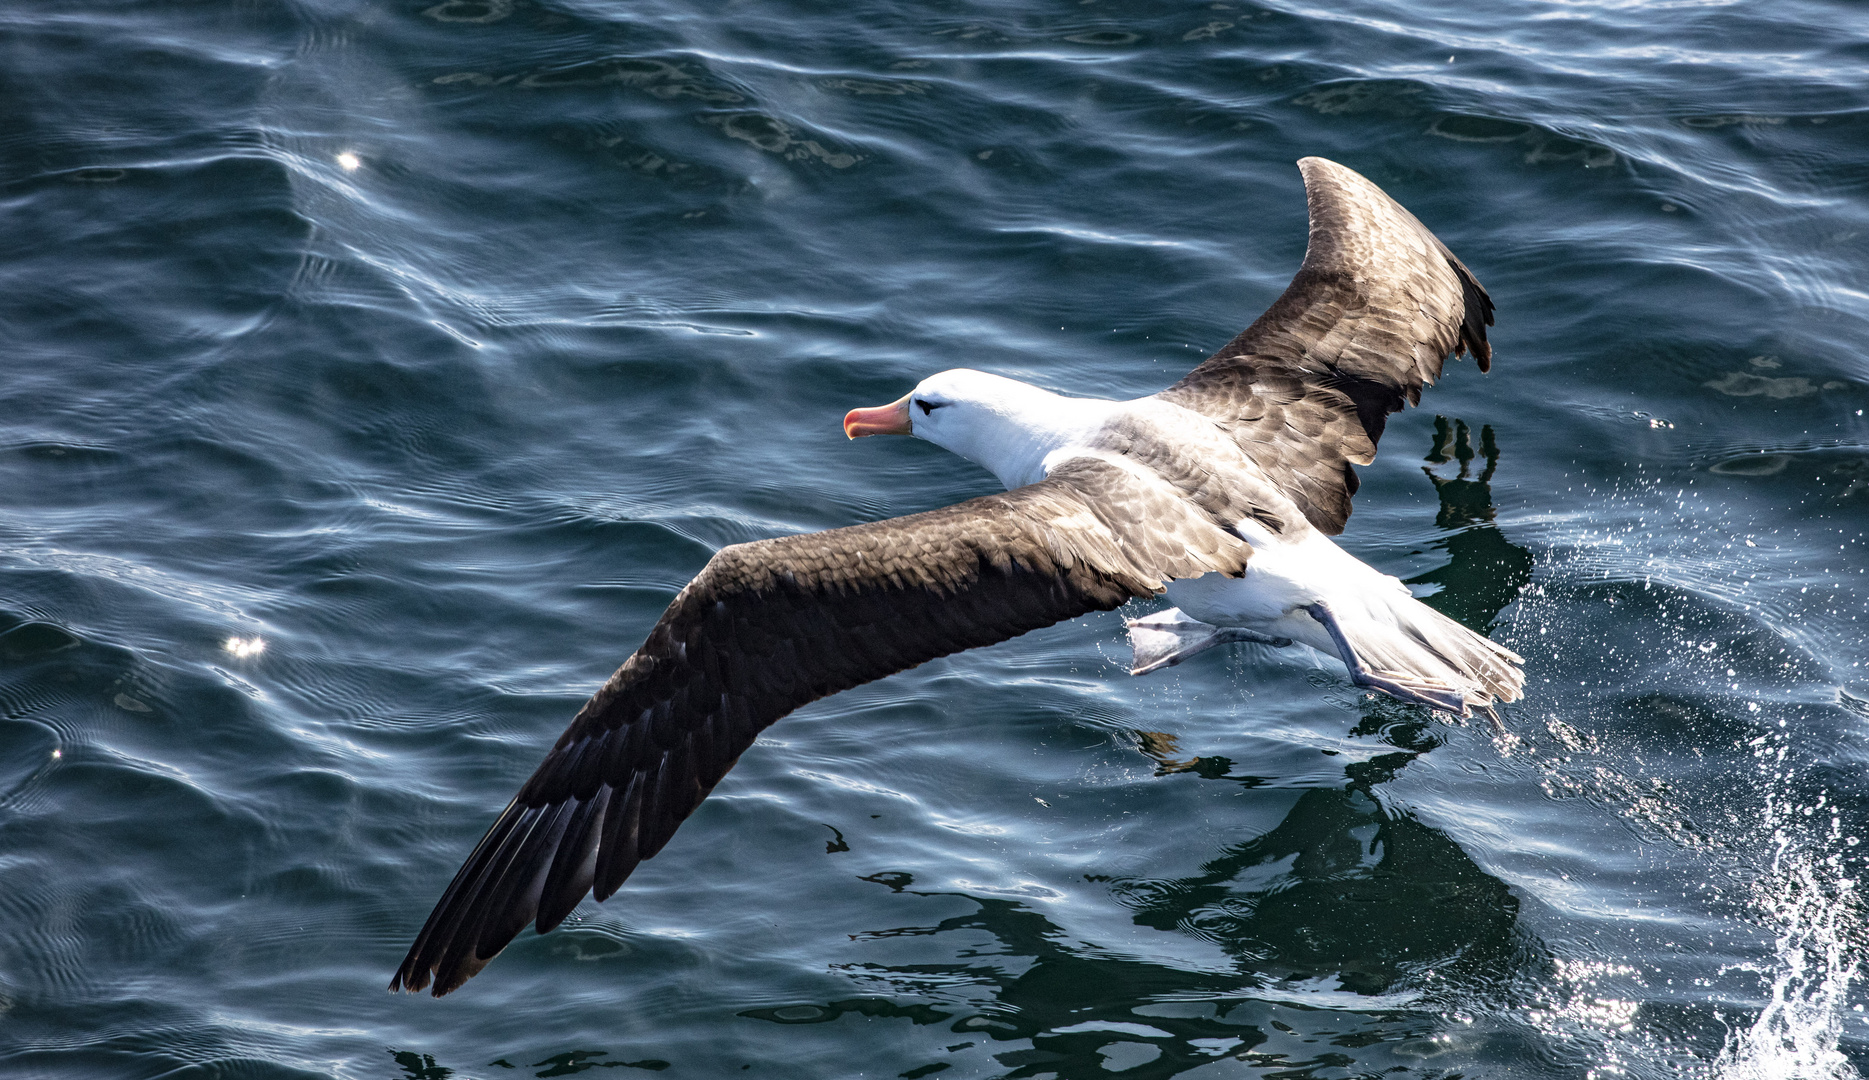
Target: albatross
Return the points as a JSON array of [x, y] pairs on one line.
[[1222, 492]]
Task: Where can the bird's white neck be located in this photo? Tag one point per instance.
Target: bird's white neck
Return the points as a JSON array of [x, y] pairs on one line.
[[1021, 426]]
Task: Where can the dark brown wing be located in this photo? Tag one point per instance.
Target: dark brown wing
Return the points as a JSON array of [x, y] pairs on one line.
[[768, 626], [1374, 311]]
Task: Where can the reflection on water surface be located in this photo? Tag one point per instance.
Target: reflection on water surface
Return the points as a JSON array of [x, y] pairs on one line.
[[1340, 922]]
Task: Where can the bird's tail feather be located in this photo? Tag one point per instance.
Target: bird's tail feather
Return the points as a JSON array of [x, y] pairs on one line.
[[1427, 656]]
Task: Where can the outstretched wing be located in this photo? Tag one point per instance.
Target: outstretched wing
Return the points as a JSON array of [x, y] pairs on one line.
[[768, 626], [1373, 312]]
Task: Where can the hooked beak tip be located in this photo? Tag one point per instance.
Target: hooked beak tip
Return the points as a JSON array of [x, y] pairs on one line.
[[890, 419]]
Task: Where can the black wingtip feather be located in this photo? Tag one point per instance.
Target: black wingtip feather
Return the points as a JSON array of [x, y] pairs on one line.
[[618, 853], [437, 933], [574, 865], [764, 629], [1478, 315]]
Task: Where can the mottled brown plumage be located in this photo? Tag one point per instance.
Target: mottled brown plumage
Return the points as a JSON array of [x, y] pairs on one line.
[[1377, 305], [767, 627]]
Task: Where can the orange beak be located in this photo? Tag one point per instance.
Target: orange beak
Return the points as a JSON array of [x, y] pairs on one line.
[[890, 419]]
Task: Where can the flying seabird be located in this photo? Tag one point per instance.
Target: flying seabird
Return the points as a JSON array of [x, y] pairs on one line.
[[1221, 491]]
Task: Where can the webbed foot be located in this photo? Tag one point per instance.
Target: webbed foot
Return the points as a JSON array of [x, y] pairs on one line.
[[1166, 638], [1415, 689]]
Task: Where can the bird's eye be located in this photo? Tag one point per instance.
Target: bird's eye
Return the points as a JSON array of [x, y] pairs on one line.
[[929, 406]]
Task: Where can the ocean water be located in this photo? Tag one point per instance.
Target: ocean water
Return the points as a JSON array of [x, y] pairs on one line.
[[375, 371]]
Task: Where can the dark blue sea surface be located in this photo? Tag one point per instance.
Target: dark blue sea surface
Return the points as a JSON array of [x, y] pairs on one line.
[[375, 372]]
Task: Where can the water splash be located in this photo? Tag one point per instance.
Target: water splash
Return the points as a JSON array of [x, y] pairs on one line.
[[1748, 647], [1814, 907]]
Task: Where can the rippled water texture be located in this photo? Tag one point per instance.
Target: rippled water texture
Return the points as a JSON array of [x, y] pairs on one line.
[[377, 371]]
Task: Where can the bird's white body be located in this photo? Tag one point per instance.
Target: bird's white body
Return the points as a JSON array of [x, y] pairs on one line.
[[1298, 581], [1283, 580], [1019, 433]]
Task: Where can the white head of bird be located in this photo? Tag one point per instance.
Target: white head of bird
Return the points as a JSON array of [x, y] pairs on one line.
[[1003, 425]]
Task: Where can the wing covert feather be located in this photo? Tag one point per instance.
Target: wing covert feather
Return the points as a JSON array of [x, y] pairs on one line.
[[1374, 311], [767, 627]]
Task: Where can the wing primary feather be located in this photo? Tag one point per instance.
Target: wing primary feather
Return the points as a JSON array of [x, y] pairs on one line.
[[437, 931], [453, 936], [574, 864], [617, 852], [1476, 314], [769, 626], [672, 796], [510, 896]]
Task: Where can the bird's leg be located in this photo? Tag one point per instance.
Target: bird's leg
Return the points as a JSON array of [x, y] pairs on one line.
[[1166, 638], [1410, 688]]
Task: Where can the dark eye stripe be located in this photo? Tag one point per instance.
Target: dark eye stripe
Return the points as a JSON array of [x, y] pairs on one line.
[[929, 406]]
